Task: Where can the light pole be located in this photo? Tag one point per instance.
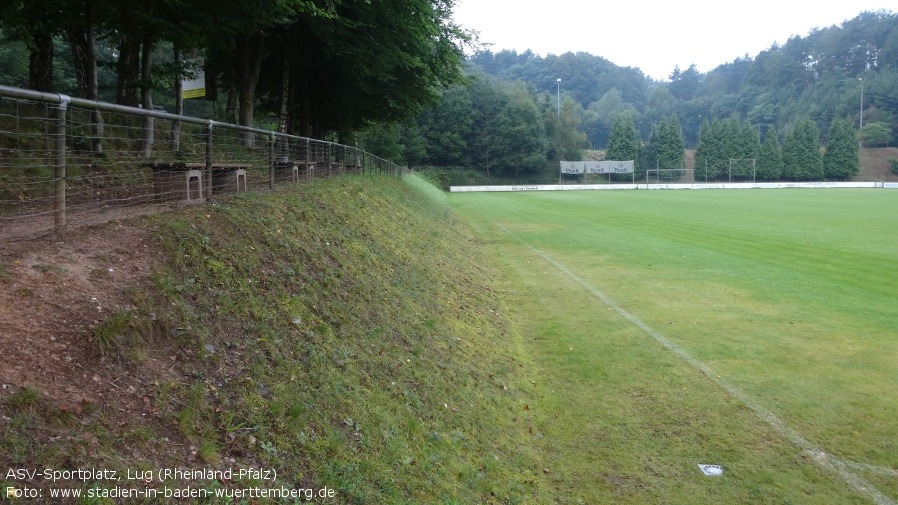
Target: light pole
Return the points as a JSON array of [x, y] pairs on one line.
[[861, 127], [559, 97]]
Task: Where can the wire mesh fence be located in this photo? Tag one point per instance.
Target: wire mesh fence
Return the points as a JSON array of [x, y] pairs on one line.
[[62, 156]]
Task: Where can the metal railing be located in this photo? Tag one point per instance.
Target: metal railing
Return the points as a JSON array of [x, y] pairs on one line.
[[60, 154]]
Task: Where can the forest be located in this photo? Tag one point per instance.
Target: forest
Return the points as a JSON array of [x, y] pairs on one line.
[[830, 81], [400, 79], [309, 67]]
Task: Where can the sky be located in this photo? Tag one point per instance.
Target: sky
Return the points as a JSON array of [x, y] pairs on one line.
[[653, 35]]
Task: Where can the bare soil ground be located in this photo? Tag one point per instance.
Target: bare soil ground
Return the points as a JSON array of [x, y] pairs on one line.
[[54, 290], [875, 164]]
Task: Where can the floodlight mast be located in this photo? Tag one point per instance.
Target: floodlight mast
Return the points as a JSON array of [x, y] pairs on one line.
[[558, 114], [861, 127]]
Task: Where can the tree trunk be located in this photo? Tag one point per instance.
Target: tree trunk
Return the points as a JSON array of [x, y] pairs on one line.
[[248, 61], [127, 69], [231, 105], [85, 59], [40, 64], [285, 86], [146, 92], [179, 103]]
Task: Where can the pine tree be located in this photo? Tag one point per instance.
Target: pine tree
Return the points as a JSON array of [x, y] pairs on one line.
[[841, 158], [703, 152], [745, 149], [623, 145], [801, 153], [567, 140], [770, 159], [648, 155], [671, 146]]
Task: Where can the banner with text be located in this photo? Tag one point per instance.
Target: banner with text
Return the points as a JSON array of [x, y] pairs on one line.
[[597, 167], [573, 167], [613, 167]]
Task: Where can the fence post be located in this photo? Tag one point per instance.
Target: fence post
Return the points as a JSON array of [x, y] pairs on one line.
[[208, 160], [271, 141], [59, 217]]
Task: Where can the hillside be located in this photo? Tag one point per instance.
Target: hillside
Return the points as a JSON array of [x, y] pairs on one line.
[[875, 164], [346, 335]]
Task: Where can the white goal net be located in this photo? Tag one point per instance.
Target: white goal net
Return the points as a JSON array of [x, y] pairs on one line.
[[669, 175]]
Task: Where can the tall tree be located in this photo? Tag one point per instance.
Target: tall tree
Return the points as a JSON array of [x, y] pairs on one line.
[[382, 61], [623, 145], [841, 158], [684, 84], [520, 138], [801, 153], [769, 164], [447, 127], [35, 22], [671, 149], [745, 149], [567, 142], [624, 142], [488, 98], [599, 117], [707, 153]]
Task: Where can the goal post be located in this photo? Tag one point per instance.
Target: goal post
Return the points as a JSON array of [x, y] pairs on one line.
[[742, 169], [669, 175]]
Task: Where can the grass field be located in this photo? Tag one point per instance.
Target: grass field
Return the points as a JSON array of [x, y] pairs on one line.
[[757, 330]]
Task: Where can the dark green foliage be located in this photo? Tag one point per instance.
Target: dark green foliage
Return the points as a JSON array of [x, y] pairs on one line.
[[841, 159], [815, 76], [384, 140], [707, 151], [342, 65], [624, 145], [624, 142], [876, 134], [671, 149], [769, 166], [447, 127], [721, 143], [567, 142], [801, 153], [684, 84], [520, 137]]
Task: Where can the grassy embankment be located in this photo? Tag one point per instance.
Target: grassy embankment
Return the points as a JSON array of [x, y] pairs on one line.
[[347, 334]]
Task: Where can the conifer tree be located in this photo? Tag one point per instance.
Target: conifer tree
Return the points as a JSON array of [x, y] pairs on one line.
[[703, 152], [801, 153], [623, 145], [671, 146], [770, 159], [745, 149], [841, 158]]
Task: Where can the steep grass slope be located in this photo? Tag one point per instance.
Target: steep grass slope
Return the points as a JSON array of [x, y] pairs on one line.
[[346, 334]]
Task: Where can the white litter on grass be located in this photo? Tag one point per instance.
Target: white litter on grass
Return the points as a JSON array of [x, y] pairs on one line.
[[711, 469]]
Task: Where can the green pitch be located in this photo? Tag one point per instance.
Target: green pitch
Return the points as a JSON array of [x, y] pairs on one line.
[[753, 329]]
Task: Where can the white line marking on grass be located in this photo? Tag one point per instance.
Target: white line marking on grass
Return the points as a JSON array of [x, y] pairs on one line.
[[823, 459]]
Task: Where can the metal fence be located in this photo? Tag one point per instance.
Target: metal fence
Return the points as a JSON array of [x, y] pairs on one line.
[[62, 155]]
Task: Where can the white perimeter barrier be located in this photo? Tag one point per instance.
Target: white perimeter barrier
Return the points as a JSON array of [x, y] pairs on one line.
[[704, 185]]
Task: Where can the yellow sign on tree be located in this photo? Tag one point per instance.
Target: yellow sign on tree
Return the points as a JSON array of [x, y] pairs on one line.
[[196, 87]]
